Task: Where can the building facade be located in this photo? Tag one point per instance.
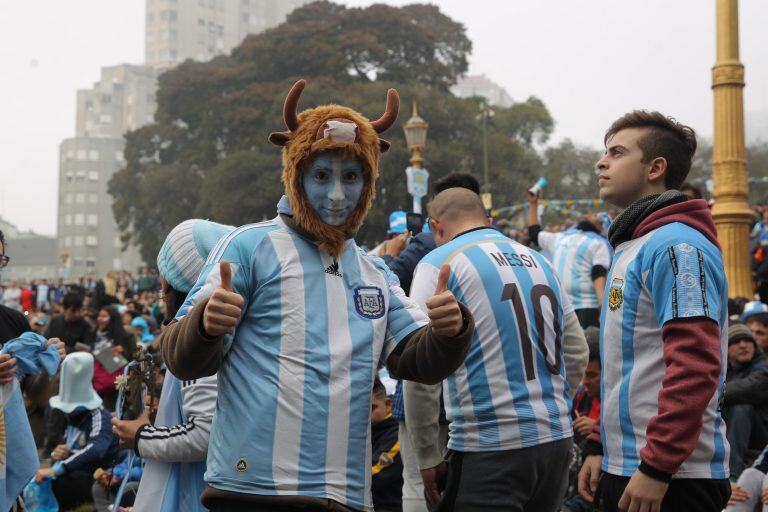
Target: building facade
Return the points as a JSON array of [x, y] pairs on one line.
[[88, 236], [482, 86], [177, 30]]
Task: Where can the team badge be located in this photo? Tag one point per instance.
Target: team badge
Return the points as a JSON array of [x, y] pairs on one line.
[[369, 302], [615, 295], [242, 466]]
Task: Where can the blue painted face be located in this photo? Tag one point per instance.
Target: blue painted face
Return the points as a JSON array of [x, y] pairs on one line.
[[333, 186]]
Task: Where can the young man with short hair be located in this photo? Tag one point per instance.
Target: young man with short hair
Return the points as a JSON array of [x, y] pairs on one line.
[[758, 324], [661, 444]]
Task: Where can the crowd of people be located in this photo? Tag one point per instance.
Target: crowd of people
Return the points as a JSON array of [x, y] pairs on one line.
[[468, 366]]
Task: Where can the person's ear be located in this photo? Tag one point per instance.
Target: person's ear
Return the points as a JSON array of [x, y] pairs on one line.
[[658, 169]]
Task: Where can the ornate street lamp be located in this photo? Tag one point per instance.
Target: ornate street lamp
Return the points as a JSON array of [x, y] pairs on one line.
[[416, 138]]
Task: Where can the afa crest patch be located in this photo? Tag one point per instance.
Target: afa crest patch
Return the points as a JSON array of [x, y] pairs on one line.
[[615, 294], [369, 302]]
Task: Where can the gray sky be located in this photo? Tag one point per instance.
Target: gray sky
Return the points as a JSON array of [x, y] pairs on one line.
[[588, 60]]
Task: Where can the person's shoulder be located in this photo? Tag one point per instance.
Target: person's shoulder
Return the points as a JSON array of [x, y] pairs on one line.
[[245, 238], [680, 238], [12, 313]]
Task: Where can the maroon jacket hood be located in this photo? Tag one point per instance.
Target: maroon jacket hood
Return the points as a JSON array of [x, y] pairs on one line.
[[694, 213]]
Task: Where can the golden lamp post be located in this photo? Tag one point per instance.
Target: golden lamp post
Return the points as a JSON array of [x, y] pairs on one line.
[[731, 212], [416, 139]]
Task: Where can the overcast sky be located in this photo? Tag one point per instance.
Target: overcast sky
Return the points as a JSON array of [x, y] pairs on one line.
[[588, 60]]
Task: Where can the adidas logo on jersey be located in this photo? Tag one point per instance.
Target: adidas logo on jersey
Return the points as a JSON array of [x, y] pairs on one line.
[[333, 269]]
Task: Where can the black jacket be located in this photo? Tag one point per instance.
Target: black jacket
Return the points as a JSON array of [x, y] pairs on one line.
[[387, 482], [748, 384], [80, 331], [404, 265]]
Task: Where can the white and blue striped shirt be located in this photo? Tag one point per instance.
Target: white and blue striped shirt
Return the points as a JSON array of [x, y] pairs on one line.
[[511, 391], [573, 254], [294, 405], [671, 272]]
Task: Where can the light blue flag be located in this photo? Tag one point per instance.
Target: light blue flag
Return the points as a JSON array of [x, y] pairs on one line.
[[18, 454]]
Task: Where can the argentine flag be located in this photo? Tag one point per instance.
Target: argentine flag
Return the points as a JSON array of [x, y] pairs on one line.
[[18, 454]]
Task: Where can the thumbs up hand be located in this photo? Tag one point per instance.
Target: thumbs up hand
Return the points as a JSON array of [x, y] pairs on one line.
[[443, 309], [224, 307]]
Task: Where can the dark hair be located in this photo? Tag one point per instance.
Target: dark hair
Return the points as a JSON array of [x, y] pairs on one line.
[[695, 190], [174, 299], [457, 180], [116, 332], [665, 138], [72, 300], [736, 305], [761, 318], [592, 334], [379, 391], [2, 238]]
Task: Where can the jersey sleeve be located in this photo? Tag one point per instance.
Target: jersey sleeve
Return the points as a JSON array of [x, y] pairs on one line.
[[601, 255], [683, 283], [403, 316], [548, 241]]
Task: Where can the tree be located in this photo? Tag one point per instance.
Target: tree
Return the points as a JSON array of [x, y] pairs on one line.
[[207, 153]]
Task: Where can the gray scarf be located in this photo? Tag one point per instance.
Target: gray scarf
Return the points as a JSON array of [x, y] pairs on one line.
[[627, 221]]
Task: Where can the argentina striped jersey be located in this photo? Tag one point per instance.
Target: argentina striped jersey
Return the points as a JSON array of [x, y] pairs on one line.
[[671, 272], [294, 403], [573, 254], [510, 392]]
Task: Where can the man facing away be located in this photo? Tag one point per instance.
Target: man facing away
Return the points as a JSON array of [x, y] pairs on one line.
[[661, 442], [509, 403]]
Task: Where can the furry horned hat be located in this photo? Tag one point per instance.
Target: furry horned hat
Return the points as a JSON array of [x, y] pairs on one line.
[[330, 128]]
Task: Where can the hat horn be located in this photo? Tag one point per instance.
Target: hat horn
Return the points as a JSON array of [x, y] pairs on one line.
[[291, 103], [389, 117]]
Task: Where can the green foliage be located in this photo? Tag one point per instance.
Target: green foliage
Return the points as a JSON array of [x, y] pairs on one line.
[[207, 154]]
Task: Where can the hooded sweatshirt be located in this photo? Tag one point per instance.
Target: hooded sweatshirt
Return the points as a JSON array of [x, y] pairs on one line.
[[664, 364]]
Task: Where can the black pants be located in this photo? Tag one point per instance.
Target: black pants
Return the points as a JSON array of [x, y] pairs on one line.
[[694, 494], [72, 490], [588, 317], [532, 479]]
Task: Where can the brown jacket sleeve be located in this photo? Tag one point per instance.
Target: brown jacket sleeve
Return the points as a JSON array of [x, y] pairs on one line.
[[428, 358], [188, 353]]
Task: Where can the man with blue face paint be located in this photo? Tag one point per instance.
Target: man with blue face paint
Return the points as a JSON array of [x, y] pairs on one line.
[[333, 186], [297, 320]]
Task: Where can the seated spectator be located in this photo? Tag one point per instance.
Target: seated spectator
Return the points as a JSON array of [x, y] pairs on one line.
[[586, 411], [736, 307], [745, 401], [70, 326], [758, 324], [387, 481], [90, 443], [115, 348], [106, 483]]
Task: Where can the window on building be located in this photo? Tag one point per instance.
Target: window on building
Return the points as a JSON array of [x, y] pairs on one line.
[[93, 155], [90, 262], [68, 198], [79, 219], [78, 241], [82, 154], [93, 175], [91, 241], [80, 175], [68, 220], [69, 177], [67, 241], [93, 219], [93, 198], [80, 197], [118, 156], [77, 262], [105, 118]]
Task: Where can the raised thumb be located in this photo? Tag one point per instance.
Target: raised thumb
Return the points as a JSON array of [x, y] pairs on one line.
[[442, 279], [226, 275]]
